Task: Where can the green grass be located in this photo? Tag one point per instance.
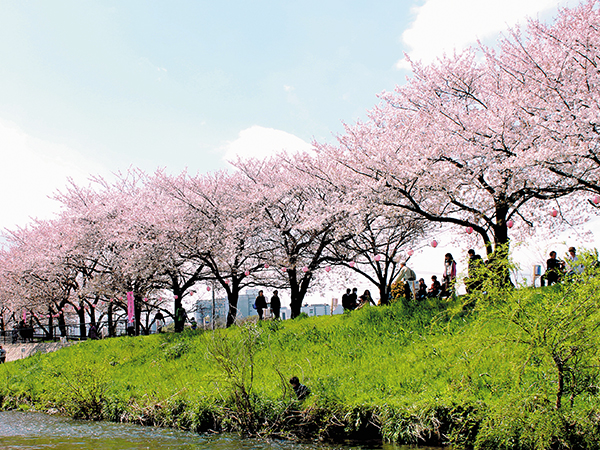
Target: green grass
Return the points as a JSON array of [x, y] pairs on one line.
[[426, 374]]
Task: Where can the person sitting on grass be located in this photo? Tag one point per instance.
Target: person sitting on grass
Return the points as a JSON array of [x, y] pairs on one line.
[[421, 290], [365, 300], [435, 289], [301, 391]]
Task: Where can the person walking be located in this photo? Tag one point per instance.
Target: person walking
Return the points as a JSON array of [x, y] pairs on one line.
[[2, 355], [261, 304], [276, 305]]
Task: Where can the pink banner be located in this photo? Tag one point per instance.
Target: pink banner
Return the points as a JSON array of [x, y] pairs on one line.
[[130, 308]]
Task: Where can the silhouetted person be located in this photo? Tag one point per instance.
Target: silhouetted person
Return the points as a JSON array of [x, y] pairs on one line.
[[276, 305], [261, 304]]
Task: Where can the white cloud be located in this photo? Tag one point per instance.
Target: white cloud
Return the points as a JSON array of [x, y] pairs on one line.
[[441, 26], [33, 169], [260, 142]]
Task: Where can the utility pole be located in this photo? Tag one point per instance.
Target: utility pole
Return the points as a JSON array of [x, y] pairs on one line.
[[213, 305]]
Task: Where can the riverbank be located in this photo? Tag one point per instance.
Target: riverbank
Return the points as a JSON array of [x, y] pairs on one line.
[[416, 374]]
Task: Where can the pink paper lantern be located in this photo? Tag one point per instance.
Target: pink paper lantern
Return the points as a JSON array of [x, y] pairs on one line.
[[510, 224], [284, 269], [554, 213], [596, 199], [434, 243], [208, 288], [351, 263], [377, 258], [176, 297], [410, 252], [305, 269], [266, 266], [247, 272], [469, 230], [145, 299], [328, 269], [226, 281]]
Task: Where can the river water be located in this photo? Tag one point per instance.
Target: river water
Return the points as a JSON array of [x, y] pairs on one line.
[[27, 430]]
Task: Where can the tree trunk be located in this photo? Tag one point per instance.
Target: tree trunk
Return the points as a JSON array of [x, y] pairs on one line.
[[232, 298]]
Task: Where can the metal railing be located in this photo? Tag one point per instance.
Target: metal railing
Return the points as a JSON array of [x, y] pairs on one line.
[[71, 331]]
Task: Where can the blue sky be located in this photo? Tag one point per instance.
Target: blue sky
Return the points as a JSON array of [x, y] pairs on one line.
[[92, 87]]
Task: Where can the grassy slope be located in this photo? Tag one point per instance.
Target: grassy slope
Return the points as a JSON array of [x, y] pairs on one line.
[[406, 374]]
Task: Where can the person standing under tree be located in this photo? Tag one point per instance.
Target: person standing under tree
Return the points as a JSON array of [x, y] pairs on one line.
[[261, 304], [2, 355], [276, 305], [449, 275]]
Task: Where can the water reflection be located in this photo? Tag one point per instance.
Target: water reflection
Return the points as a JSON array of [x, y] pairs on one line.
[[25, 430]]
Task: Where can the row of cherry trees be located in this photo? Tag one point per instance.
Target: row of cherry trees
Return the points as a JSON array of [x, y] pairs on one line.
[[164, 237], [479, 141]]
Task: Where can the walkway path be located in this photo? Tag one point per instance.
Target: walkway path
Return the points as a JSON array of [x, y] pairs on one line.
[[18, 351]]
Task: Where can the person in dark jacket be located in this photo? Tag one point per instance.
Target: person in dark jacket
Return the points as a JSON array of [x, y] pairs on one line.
[[261, 304], [276, 305], [300, 390]]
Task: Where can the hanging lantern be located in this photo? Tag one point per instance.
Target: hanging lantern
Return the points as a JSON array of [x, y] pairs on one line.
[[328, 269], [208, 288], [469, 230], [145, 299], [305, 269], [434, 243], [510, 224], [247, 272], [176, 297], [377, 258], [192, 293], [351, 263], [266, 266], [226, 281], [284, 269], [410, 252], [596, 199], [554, 213]]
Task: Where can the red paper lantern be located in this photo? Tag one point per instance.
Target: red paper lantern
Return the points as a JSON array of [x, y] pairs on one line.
[[351, 263], [410, 252], [247, 272], [377, 258], [554, 213], [226, 281], [469, 230], [596, 199], [328, 269], [510, 224], [208, 288], [284, 269], [305, 269], [266, 266], [434, 243]]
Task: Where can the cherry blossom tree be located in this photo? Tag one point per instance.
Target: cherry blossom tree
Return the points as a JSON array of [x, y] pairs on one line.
[[450, 147], [227, 227], [301, 215], [554, 69]]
